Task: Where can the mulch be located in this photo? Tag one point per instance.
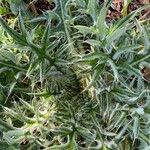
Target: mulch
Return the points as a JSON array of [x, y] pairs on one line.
[[115, 11]]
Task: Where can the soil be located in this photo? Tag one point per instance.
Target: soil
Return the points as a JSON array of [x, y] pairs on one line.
[[115, 11], [38, 7]]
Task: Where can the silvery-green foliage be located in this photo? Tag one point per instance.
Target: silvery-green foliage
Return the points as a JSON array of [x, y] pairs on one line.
[[55, 96]]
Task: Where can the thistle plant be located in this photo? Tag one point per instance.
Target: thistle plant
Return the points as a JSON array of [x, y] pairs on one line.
[[71, 80]]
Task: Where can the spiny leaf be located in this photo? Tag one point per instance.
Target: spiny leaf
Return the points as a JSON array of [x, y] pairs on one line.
[[85, 29], [85, 133], [135, 127], [114, 69], [18, 116], [120, 134], [101, 21], [95, 76], [21, 24], [45, 37], [17, 36], [94, 42], [6, 125], [91, 8], [114, 35], [26, 105], [125, 20], [145, 38], [93, 56], [124, 50]]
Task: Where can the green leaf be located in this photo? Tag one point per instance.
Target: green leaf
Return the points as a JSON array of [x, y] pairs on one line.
[[4, 145], [125, 20], [98, 145], [3, 10], [26, 105], [6, 125], [7, 55], [17, 36], [136, 128], [33, 47], [114, 69], [15, 133], [45, 38], [85, 29], [63, 131], [12, 85], [101, 21], [37, 19], [18, 116], [114, 35], [95, 76], [122, 23], [124, 50], [93, 42], [21, 24], [93, 56], [15, 1], [81, 3], [91, 8], [130, 69], [119, 136], [145, 37], [85, 133], [17, 68], [140, 111], [72, 144]]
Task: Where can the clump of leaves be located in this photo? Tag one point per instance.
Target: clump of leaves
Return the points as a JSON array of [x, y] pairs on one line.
[[77, 84]]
